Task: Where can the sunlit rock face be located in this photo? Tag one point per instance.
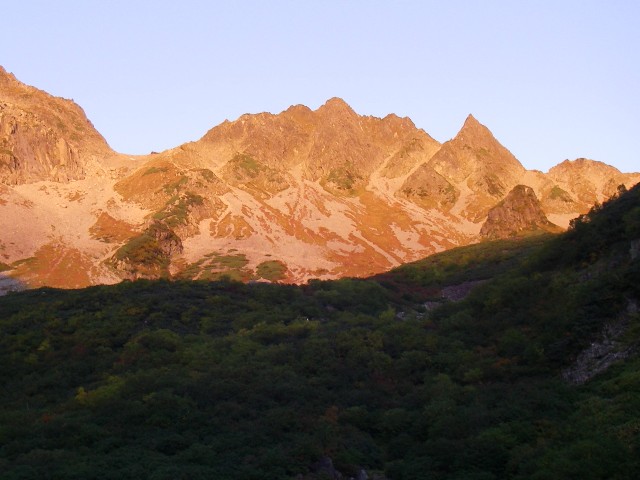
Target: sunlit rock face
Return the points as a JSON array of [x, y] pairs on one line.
[[43, 137], [285, 197]]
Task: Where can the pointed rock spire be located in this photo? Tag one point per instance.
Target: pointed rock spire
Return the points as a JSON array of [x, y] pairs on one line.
[[471, 122], [473, 130]]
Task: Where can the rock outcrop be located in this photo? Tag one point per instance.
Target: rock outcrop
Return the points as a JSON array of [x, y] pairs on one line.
[[520, 213], [149, 254], [605, 351], [42, 137]]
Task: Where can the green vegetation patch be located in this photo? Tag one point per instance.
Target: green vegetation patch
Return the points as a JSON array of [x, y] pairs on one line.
[[151, 251], [216, 266], [236, 275], [343, 178], [558, 193], [172, 188], [246, 164], [244, 169], [230, 261], [153, 170], [143, 249], [208, 175], [273, 270], [442, 195], [176, 211], [24, 261]]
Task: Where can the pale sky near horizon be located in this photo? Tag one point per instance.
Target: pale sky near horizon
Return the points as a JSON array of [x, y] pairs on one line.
[[553, 80]]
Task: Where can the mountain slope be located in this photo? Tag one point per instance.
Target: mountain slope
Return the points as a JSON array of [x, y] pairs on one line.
[[319, 194], [227, 380], [481, 168], [311, 189]]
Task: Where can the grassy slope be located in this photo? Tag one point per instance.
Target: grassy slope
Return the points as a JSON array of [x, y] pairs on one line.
[[225, 380]]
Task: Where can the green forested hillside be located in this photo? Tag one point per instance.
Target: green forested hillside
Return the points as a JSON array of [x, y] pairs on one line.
[[222, 380]]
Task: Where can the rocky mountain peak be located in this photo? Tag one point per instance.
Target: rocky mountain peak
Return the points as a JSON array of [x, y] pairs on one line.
[[591, 180], [475, 158], [471, 123], [584, 165], [475, 133], [336, 107], [518, 214], [43, 137]]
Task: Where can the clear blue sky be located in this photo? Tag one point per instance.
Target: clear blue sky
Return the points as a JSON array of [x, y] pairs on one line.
[[552, 79]]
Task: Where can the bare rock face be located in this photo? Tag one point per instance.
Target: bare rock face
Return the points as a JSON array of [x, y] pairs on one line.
[[518, 214], [33, 151], [322, 193], [604, 351], [42, 137], [476, 162], [587, 182], [429, 189], [332, 145]]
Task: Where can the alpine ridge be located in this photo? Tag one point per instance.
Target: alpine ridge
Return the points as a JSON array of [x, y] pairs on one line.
[[285, 197], [43, 137]]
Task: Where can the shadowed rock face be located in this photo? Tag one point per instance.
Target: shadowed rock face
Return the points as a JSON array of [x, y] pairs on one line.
[[519, 213]]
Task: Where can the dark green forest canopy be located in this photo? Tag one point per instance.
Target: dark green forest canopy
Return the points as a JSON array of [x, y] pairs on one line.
[[223, 380]]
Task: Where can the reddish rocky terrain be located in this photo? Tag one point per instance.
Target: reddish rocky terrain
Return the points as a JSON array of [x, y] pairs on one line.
[[288, 197]]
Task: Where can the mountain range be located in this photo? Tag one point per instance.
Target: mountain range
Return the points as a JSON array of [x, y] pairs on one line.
[[303, 194]]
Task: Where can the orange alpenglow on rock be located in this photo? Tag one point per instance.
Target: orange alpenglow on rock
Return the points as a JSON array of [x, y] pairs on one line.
[[285, 197], [520, 213]]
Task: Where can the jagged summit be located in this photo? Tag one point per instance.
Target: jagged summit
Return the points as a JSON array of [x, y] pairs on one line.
[[471, 122], [477, 162], [473, 131], [299, 194], [298, 109], [333, 144], [584, 164], [336, 107], [586, 177], [8, 78]]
